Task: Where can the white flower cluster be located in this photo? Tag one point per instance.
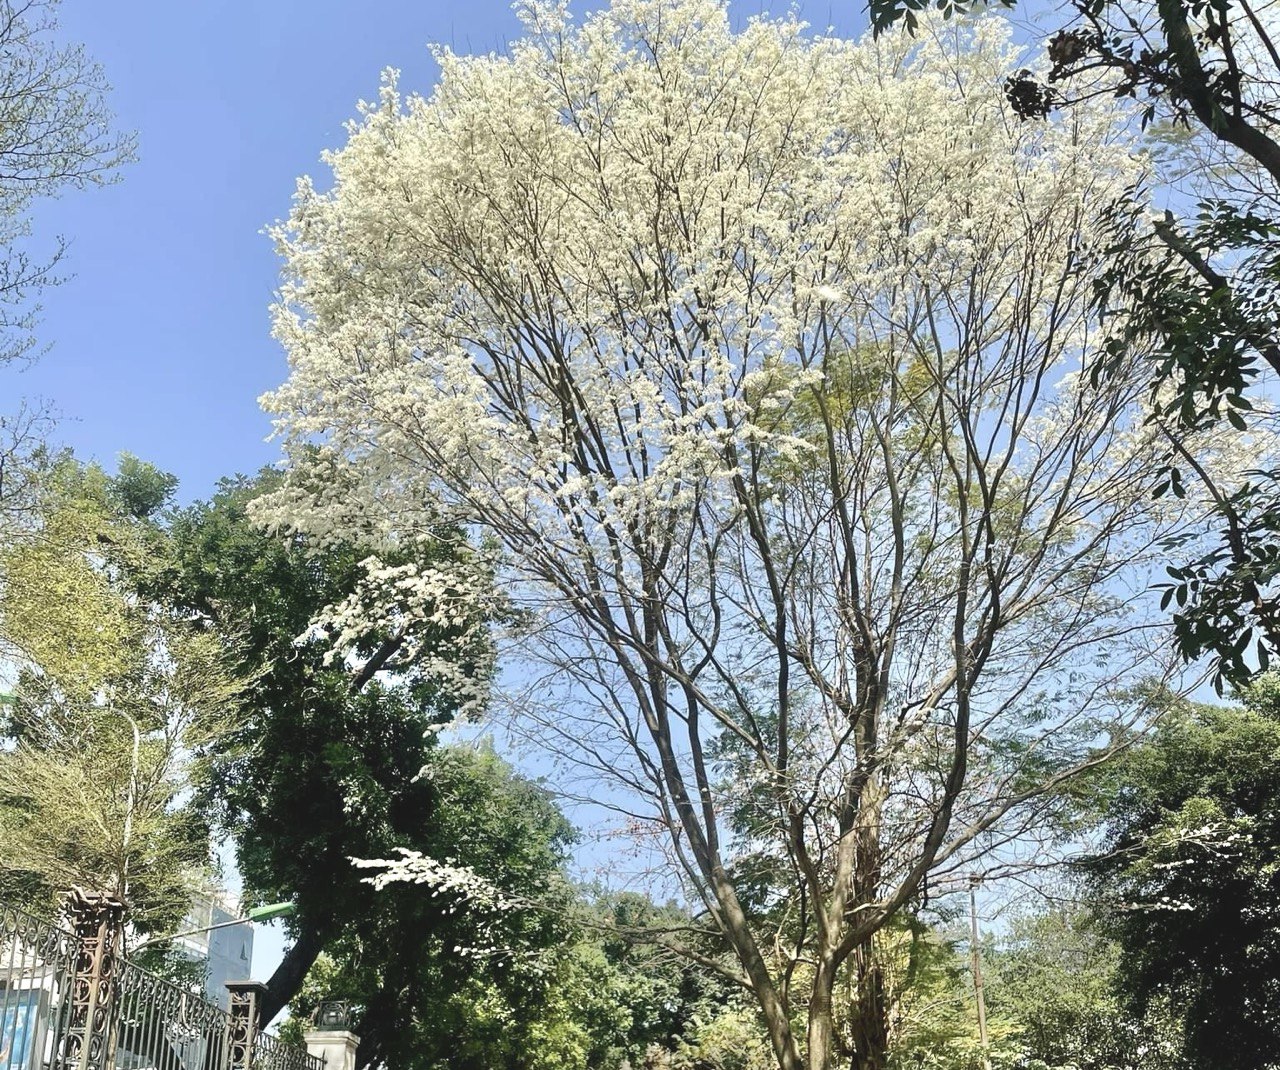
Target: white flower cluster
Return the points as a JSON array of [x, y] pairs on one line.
[[464, 886], [459, 889], [441, 615], [569, 295]]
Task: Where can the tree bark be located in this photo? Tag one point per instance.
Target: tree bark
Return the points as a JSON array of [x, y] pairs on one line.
[[290, 974], [868, 1017], [820, 1016], [775, 1011], [868, 1013]]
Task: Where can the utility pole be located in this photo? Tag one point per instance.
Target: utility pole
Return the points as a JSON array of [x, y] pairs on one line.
[[975, 960]]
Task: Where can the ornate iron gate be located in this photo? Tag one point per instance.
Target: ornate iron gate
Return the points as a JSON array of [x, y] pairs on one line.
[[70, 1001], [37, 963]]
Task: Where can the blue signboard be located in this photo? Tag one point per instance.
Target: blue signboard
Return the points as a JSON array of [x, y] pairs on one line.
[[19, 1012]]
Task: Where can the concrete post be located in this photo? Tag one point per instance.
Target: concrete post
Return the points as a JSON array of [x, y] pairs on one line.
[[335, 1048]]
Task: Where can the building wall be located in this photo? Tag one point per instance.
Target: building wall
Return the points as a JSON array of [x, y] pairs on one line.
[[227, 953]]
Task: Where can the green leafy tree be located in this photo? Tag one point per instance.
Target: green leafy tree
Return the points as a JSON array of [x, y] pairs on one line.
[[439, 979], [117, 703], [1051, 978], [573, 988], [665, 1006], [935, 1024], [1188, 878], [326, 765]]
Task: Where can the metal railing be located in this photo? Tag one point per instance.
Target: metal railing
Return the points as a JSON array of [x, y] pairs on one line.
[[163, 1026], [141, 1021], [271, 1053], [37, 963]]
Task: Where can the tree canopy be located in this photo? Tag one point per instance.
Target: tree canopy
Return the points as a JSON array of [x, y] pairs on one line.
[[809, 446], [1191, 284], [1188, 879], [115, 708], [327, 764]]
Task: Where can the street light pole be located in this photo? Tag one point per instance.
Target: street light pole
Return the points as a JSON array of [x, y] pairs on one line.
[[262, 913], [975, 959]]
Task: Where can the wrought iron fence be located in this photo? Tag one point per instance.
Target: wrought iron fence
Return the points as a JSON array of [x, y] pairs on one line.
[[163, 1026], [270, 1053], [67, 1003], [37, 964]]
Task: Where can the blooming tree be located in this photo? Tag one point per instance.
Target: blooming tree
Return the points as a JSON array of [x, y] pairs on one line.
[[760, 360]]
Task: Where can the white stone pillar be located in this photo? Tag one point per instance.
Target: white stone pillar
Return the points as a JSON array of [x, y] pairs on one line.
[[335, 1048]]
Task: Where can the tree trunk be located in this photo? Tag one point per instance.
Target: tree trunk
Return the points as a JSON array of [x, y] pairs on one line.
[[821, 1031], [290, 974], [868, 1019], [868, 1010], [738, 932], [868, 1014]]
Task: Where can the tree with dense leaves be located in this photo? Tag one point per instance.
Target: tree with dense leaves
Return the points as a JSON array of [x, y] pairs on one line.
[[1051, 984], [654, 1005], [328, 763], [573, 989], [1187, 882], [116, 705], [438, 979]]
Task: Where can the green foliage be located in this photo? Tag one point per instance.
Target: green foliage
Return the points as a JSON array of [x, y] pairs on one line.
[[658, 1005], [1053, 981], [934, 1015], [1207, 333], [320, 770], [333, 764], [1189, 879], [576, 991], [117, 703], [140, 490], [440, 981]]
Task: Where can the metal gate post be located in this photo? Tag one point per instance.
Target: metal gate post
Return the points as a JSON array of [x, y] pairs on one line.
[[242, 1023], [89, 1041]]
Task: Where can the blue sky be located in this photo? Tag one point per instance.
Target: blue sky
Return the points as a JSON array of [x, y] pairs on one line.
[[160, 339]]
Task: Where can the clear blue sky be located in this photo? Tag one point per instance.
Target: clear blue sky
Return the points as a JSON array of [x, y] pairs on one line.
[[160, 340]]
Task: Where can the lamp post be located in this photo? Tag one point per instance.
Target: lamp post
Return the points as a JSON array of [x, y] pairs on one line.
[[975, 959], [262, 913]]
